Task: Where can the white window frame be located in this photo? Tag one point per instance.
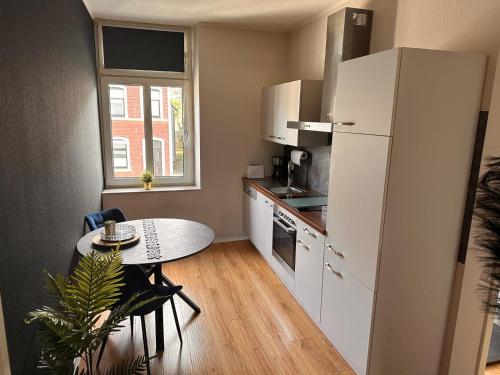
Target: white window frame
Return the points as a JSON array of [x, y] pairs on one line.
[[161, 103], [148, 79], [125, 102], [127, 146], [162, 153], [171, 133]]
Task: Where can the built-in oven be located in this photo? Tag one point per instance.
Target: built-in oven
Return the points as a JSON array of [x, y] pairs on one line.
[[284, 238]]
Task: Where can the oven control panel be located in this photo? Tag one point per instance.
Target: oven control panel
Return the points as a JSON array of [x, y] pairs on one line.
[[286, 217]]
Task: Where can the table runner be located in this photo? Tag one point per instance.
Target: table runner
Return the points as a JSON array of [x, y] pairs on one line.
[[151, 237]]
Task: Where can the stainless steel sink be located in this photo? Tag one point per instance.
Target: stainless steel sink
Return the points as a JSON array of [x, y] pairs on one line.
[[279, 190]]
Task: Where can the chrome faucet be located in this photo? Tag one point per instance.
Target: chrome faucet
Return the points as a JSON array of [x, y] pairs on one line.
[[290, 174]]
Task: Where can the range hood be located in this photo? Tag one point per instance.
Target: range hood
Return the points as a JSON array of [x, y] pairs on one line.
[[348, 36]]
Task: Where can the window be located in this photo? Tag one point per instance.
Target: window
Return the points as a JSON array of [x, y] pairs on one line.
[[146, 114], [121, 153], [117, 101], [156, 102], [159, 156]]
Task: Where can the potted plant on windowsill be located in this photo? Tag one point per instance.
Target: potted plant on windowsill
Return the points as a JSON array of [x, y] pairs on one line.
[[147, 179], [69, 330]]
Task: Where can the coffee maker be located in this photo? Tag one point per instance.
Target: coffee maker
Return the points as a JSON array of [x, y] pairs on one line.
[[279, 168]]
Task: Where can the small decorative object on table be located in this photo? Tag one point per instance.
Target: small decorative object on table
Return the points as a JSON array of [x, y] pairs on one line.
[[110, 227], [147, 178]]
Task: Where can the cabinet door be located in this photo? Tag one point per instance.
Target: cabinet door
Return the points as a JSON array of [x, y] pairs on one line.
[[365, 93], [356, 201], [265, 225], [288, 109], [309, 269], [346, 314], [269, 113], [246, 212], [253, 220]]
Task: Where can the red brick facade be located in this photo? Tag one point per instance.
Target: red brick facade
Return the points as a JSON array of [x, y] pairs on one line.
[[131, 128]]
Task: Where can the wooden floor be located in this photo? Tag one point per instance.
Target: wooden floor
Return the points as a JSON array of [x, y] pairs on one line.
[[250, 323]]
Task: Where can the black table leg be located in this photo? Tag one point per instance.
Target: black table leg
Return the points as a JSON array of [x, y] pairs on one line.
[[181, 294], [159, 311]]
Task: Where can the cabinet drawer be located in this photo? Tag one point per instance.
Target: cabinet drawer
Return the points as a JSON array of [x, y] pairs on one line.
[[346, 315], [363, 269], [309, 235]]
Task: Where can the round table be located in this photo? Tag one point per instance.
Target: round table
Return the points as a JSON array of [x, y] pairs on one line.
[[177, 239]]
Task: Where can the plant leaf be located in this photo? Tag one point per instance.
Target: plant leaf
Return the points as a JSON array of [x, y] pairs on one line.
[[130, 366]]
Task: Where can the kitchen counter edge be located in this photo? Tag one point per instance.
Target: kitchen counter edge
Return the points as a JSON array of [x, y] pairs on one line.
[[315, 219]]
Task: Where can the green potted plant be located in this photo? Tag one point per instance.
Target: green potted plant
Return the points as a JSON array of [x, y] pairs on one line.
[[68, 331], [147, 178]]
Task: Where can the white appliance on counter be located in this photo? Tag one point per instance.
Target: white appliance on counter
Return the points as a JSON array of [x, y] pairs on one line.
[[402, 150], [255, 171]]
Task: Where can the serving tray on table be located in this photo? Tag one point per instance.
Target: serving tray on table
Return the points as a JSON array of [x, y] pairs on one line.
[[125, 234]]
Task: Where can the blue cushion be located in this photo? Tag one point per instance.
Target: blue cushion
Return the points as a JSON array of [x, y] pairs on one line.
[[96, 220]]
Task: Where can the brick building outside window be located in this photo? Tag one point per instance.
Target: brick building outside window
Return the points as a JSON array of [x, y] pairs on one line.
[[127, 123]]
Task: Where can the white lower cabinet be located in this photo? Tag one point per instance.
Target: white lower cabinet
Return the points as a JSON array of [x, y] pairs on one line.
[[252, 215], [265, 208], [346, 315], [309, 269], [258, 220]]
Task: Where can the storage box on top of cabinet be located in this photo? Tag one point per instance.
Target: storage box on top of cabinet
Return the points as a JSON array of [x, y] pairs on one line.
[[402, 150], [292, 101]]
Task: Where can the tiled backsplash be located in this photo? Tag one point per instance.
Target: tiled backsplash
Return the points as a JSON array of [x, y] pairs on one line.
[[314, 173]]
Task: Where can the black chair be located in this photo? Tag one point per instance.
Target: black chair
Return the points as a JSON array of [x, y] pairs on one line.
[[96, 220], [136, 281]]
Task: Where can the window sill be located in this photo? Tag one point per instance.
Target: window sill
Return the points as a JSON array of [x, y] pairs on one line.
[[154, 189]]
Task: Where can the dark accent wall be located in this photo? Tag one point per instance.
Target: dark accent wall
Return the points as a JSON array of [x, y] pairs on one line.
[[50, 158], [315, 172]]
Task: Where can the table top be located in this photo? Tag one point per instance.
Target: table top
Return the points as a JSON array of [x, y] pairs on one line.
[[177, 238]]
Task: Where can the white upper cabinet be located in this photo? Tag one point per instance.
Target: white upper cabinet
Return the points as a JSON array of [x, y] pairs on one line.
[[288, 109], [365, 95], [269, 112], [292, 101]]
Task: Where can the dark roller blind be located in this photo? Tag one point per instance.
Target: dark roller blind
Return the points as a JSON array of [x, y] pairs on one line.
[[138, 49]]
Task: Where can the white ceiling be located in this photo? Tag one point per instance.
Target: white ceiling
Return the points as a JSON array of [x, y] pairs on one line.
[[257, 14]]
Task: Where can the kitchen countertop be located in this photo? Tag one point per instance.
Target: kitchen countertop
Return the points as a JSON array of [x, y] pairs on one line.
[[313, 218]]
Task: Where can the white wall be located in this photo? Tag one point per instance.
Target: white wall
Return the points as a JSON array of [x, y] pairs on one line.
[[234, 65], [456, 25]]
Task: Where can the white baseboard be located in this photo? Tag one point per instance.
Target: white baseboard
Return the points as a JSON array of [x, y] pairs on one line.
[[231, 239]]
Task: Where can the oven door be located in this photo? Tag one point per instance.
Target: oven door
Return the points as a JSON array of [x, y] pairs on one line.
[[284, 237]]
